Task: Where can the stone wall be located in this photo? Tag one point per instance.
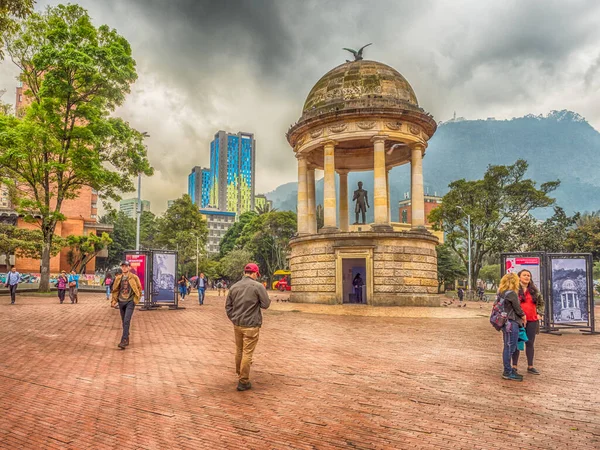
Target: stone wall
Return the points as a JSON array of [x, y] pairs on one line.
[[404, 267]]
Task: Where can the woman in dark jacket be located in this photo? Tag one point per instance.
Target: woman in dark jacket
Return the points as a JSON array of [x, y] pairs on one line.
[[509, 286], [532, 304]]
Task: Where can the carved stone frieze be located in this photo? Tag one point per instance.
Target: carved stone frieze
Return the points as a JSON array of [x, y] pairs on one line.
[[394, 126], [366, 125], [414, 129], [316, 133], [338, 127]]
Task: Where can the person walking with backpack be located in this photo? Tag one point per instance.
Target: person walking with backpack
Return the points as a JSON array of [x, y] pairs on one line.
[[532, 304], [12, 282], [127, 291], [515, 318], [245, 300], [61, 285]]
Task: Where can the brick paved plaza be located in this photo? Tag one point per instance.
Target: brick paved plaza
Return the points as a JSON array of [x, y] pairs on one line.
[[320, 381]]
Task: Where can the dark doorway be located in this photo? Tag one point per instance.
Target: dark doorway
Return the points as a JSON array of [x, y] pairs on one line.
[[354, 280]]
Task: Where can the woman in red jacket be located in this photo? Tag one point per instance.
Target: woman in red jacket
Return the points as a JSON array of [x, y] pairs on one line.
[[532, 305]]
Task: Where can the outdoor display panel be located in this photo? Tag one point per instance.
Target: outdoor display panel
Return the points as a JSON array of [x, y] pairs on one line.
[[571, 289], [138, 264], [164, 269], [514, 263]]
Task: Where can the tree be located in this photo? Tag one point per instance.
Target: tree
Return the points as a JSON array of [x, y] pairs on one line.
[[585, 238], [85, 248], [502, 197], [267, 238], [229, 239], [232, 265], [148, 229], [182, 228], [449, 267], [75, 75], [25, 243], [10, 10], [264, 209], [123, 236], [491, 274]]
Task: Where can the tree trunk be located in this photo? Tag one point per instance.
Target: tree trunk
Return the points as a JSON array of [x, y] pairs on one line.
[[45, 266]]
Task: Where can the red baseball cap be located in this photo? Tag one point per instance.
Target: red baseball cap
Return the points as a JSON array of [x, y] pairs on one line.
[[251, 267]]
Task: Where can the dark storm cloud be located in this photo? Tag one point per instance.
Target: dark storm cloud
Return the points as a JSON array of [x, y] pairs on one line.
[[249, 64]]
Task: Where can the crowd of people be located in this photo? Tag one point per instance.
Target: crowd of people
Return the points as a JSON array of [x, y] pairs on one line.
[[521, 302]]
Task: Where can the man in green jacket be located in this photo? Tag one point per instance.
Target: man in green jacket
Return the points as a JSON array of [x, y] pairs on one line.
[[243, 305], [127, 291]]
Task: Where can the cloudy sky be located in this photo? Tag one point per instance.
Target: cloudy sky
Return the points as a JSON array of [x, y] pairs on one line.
[[248, 65]]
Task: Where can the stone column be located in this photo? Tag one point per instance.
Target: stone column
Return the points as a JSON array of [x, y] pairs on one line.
[[329, 200], [302, 196], [387, 186], [343, 199], [417, 197], [312, 211], [380, 196]]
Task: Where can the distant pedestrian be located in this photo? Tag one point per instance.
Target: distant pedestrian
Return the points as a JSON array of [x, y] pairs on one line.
[[108, 280], [201, 283], [243, 305], [358, 284], [127, 291], [182, 285], [62, 283], [509, 286], [73, 286], [12, 282], [461, 295], [532, 304], [219, 287]]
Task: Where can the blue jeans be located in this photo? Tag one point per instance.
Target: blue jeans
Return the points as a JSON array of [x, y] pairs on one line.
[[201, 295], [182, 291], [510, 343], [108, 292], [126, 309]]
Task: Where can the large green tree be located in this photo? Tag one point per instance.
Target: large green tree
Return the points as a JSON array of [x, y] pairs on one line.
[[585, 238], [504, 196], [229, 239], [267, 239], [182, 228], [122, 235], [10, 12], [26, 243], [232, 265], [74, 75], [84, 248], [449, 266]]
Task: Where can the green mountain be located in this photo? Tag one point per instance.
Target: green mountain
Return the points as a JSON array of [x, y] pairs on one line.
[[561, 145]]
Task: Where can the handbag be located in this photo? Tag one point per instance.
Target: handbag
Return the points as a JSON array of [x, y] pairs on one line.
[[72, 284]]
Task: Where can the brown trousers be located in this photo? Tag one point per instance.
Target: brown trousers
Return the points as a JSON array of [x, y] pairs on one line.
[[246, 339]]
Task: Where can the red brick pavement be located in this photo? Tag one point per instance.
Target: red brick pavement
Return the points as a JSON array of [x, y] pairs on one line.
[[319, 382]]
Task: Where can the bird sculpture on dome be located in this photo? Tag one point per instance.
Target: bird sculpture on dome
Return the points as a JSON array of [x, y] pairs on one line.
[[357, 53]]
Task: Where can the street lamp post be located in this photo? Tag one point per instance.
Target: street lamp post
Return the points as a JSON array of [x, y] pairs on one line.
[[197, 251], [139, 204], [139, 212], [469, 245]]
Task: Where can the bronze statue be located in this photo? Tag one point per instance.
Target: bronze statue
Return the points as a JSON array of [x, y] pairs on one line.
[[357, 53], [362, 202]]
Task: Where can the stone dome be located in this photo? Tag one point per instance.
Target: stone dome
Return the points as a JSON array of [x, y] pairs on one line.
[[360, 84], [569, 285]]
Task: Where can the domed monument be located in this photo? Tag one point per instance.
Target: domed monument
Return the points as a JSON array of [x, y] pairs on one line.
[[361, 116]]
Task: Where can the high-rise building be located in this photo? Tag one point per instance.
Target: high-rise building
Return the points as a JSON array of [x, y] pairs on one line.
[[129, 206], [218, 223], [229, 183], [195, 185]]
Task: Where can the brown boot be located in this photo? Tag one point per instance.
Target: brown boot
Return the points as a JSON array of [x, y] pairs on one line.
[[123, 344]]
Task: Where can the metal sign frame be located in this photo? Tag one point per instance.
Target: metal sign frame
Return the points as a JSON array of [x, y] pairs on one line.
[[543, 287], [175, 303], [589, 327]]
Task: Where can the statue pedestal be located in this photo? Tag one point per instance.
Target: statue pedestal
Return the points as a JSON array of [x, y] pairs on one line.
[[400, 267]]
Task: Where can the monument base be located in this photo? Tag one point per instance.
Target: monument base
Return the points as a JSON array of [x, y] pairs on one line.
[[398, 268]]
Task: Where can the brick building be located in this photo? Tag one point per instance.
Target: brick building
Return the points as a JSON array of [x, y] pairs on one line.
[[81, 219], [431, 202]]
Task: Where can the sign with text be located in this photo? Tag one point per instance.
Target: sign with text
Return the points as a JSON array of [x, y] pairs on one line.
[[137, 265], [514, 264]]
